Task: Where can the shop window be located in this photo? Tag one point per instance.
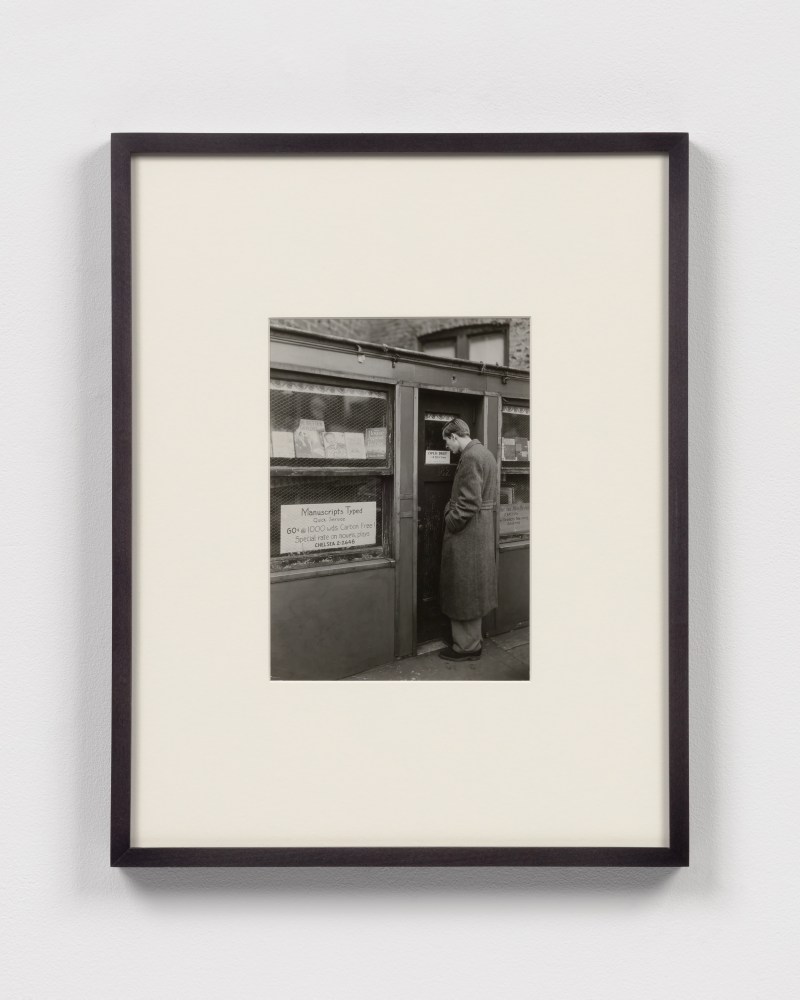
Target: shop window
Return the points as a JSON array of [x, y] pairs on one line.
[[480, 342], [514, 511], [313, 425], [331, 473]]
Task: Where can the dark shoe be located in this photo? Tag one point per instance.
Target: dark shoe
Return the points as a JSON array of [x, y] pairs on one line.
[[448, 653]]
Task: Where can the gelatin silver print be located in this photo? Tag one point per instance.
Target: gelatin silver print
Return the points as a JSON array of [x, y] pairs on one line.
[[400, 459]]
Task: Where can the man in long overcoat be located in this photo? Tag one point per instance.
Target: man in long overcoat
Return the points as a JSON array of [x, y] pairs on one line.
[[468, 581]]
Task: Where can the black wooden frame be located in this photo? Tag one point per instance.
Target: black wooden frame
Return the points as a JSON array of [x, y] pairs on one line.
[[675, 145]]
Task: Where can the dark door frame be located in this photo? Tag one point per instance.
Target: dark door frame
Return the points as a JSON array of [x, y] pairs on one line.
[[482, 398]]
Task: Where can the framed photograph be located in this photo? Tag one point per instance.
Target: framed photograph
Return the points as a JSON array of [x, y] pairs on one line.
[[400, 408]]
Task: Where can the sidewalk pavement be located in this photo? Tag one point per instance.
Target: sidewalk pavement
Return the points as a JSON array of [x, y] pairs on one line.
[[504, 658]]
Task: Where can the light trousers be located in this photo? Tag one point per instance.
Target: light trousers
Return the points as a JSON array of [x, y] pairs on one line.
[[466, 635]]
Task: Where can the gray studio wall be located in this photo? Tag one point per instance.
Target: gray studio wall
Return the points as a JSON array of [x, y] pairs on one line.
[[72, 73]]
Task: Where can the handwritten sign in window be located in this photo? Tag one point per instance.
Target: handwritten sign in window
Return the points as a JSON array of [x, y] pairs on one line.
[[515, 518]]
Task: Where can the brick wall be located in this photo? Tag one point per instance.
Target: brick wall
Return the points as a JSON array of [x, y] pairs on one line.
[[405, 332]]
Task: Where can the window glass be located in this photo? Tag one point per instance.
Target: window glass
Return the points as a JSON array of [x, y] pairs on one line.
[[313, 425], [439, 348], [315, 515], [516, 434], [488, 347], [514, 509], [515, 505]]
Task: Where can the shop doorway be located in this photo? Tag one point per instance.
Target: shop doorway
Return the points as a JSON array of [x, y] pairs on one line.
[[435, 471]]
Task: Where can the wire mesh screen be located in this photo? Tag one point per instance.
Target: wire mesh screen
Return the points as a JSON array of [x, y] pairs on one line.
[[314, 425], [516, 433], [515, 504], [311, 516]]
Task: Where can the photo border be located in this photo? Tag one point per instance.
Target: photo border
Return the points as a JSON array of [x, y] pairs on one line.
[[124, 146]]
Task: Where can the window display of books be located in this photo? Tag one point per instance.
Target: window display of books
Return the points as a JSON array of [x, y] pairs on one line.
[[376, 442], [282, 444], [310, 442], [321, 424], [354, 443], [515, 449], [335, 444], [516, 433]]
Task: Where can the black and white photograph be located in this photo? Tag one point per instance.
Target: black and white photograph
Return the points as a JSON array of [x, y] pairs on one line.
[[399, 516]]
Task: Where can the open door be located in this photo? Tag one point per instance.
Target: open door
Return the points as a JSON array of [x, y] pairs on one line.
[[436, 468]]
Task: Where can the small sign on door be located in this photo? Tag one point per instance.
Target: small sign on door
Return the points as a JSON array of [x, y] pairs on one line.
[[434, 457]]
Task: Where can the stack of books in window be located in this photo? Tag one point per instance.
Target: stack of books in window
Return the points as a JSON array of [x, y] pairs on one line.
[[515, 449]]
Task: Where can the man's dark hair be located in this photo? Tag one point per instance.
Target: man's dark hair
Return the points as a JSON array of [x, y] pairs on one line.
[[457, 426]]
